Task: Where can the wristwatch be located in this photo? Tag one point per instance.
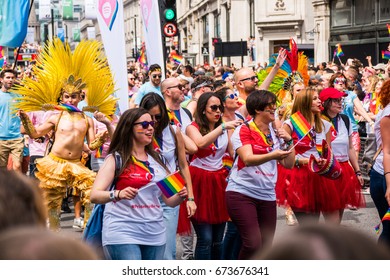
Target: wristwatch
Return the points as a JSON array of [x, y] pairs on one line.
[[112, 195]]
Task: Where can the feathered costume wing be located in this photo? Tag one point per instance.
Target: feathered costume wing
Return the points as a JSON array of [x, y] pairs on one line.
[[294, 69], [57, 70]]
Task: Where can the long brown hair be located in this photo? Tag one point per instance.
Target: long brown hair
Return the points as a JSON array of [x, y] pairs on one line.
[[200, 117], [122, 140], [303, 102]]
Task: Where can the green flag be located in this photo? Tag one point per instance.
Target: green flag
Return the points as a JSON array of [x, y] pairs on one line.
[[76, 34], [67, 9]]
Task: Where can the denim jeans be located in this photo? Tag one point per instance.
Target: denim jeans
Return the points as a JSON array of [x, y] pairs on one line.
[[171, 218], [231, 242], [378, 190], [133, 252], [33, 165], [209, 241]]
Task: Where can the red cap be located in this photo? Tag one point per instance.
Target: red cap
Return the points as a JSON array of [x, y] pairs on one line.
[[331, 93]]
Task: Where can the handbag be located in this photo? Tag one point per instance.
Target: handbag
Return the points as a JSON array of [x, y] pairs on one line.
[[93, 231]]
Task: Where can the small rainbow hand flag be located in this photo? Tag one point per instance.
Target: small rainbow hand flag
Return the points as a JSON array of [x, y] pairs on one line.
[[339, 50], [385, 55], [66, 107], [386, 217], [99, 152], [227, 162], [178, 59], [388, 27], [300, 124], [172, 184]]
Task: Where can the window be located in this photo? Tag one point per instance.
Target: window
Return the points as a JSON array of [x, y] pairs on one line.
[[384, 10], [341, 11], [205, 26], [364, 12], [217, 25]]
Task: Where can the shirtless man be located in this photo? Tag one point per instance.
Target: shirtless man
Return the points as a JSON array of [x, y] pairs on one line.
[[62, 167]]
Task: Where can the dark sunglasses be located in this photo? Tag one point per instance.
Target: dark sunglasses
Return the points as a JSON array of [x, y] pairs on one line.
[[131, 78], [179, 86], [157, 117], [156, 76], [214, 108], [231, 96], [253, 78], [146, 124]]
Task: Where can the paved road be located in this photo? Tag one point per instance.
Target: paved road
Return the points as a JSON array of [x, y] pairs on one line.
[[363, 220]]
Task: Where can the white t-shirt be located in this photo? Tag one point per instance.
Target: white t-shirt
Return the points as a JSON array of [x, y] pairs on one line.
[[137, 221], [305, 148], [253, 181], [378, 165], [211, 158], [340, 145], [169, 147]]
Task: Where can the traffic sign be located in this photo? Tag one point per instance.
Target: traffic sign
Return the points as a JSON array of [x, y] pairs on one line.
[[170, 29]]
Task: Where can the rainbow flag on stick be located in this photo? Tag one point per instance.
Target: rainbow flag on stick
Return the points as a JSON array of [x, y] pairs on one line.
[[172, 184], [142, 57], [385, 55], [301, 126], [388, 27], [178, 59], [386, 217], [339, 51]]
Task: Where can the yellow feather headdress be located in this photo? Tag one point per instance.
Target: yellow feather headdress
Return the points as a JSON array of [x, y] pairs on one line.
[[58, 70]]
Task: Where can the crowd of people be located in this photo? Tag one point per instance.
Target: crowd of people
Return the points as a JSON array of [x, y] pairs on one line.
[[229, 132]]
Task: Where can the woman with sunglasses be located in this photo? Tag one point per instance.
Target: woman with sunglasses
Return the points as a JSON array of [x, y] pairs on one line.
[[351, 104], [309, 193], [250, 194], [133, 226], [208, 175], [168, 141], [350, 181]]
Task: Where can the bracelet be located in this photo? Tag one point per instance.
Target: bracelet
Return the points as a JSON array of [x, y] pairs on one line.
[[388, 172], [190, 199], [296, 162], [289, 142], [97, 143], [358, 173], [223, 128], [117, 197]]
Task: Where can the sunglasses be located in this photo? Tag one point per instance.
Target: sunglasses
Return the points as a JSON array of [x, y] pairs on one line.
[[339, 81], [253, 78], [146, 124], [156, 76], [157, 117], [231, 96], [179, 86], [131, 78], [215, 108]]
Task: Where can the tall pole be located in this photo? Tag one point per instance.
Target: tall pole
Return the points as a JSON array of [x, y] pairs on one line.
[[135, 39], [52, 22]]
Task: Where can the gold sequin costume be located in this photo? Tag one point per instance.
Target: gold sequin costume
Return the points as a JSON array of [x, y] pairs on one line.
[[59, 70]]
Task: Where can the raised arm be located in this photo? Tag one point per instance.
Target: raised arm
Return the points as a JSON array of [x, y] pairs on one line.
[[279, 62]]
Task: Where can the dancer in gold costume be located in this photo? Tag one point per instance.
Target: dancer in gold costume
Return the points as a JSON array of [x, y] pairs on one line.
[[62, 76]]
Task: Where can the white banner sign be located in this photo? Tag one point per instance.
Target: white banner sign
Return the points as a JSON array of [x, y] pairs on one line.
[[111, 24], [90, 9], [152, 32], [44, 10]]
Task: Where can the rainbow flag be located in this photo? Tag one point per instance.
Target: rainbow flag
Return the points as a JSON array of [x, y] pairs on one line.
[[227, 162], [172, 184], [386, 217], [385, 55], [99, 152], [142, 57], [178, 59], [339, 50], [2, 57], [66, 107], [300, 125], [388, 27]]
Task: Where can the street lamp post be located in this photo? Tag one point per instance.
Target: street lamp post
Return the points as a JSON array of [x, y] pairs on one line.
[[135, 38]]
